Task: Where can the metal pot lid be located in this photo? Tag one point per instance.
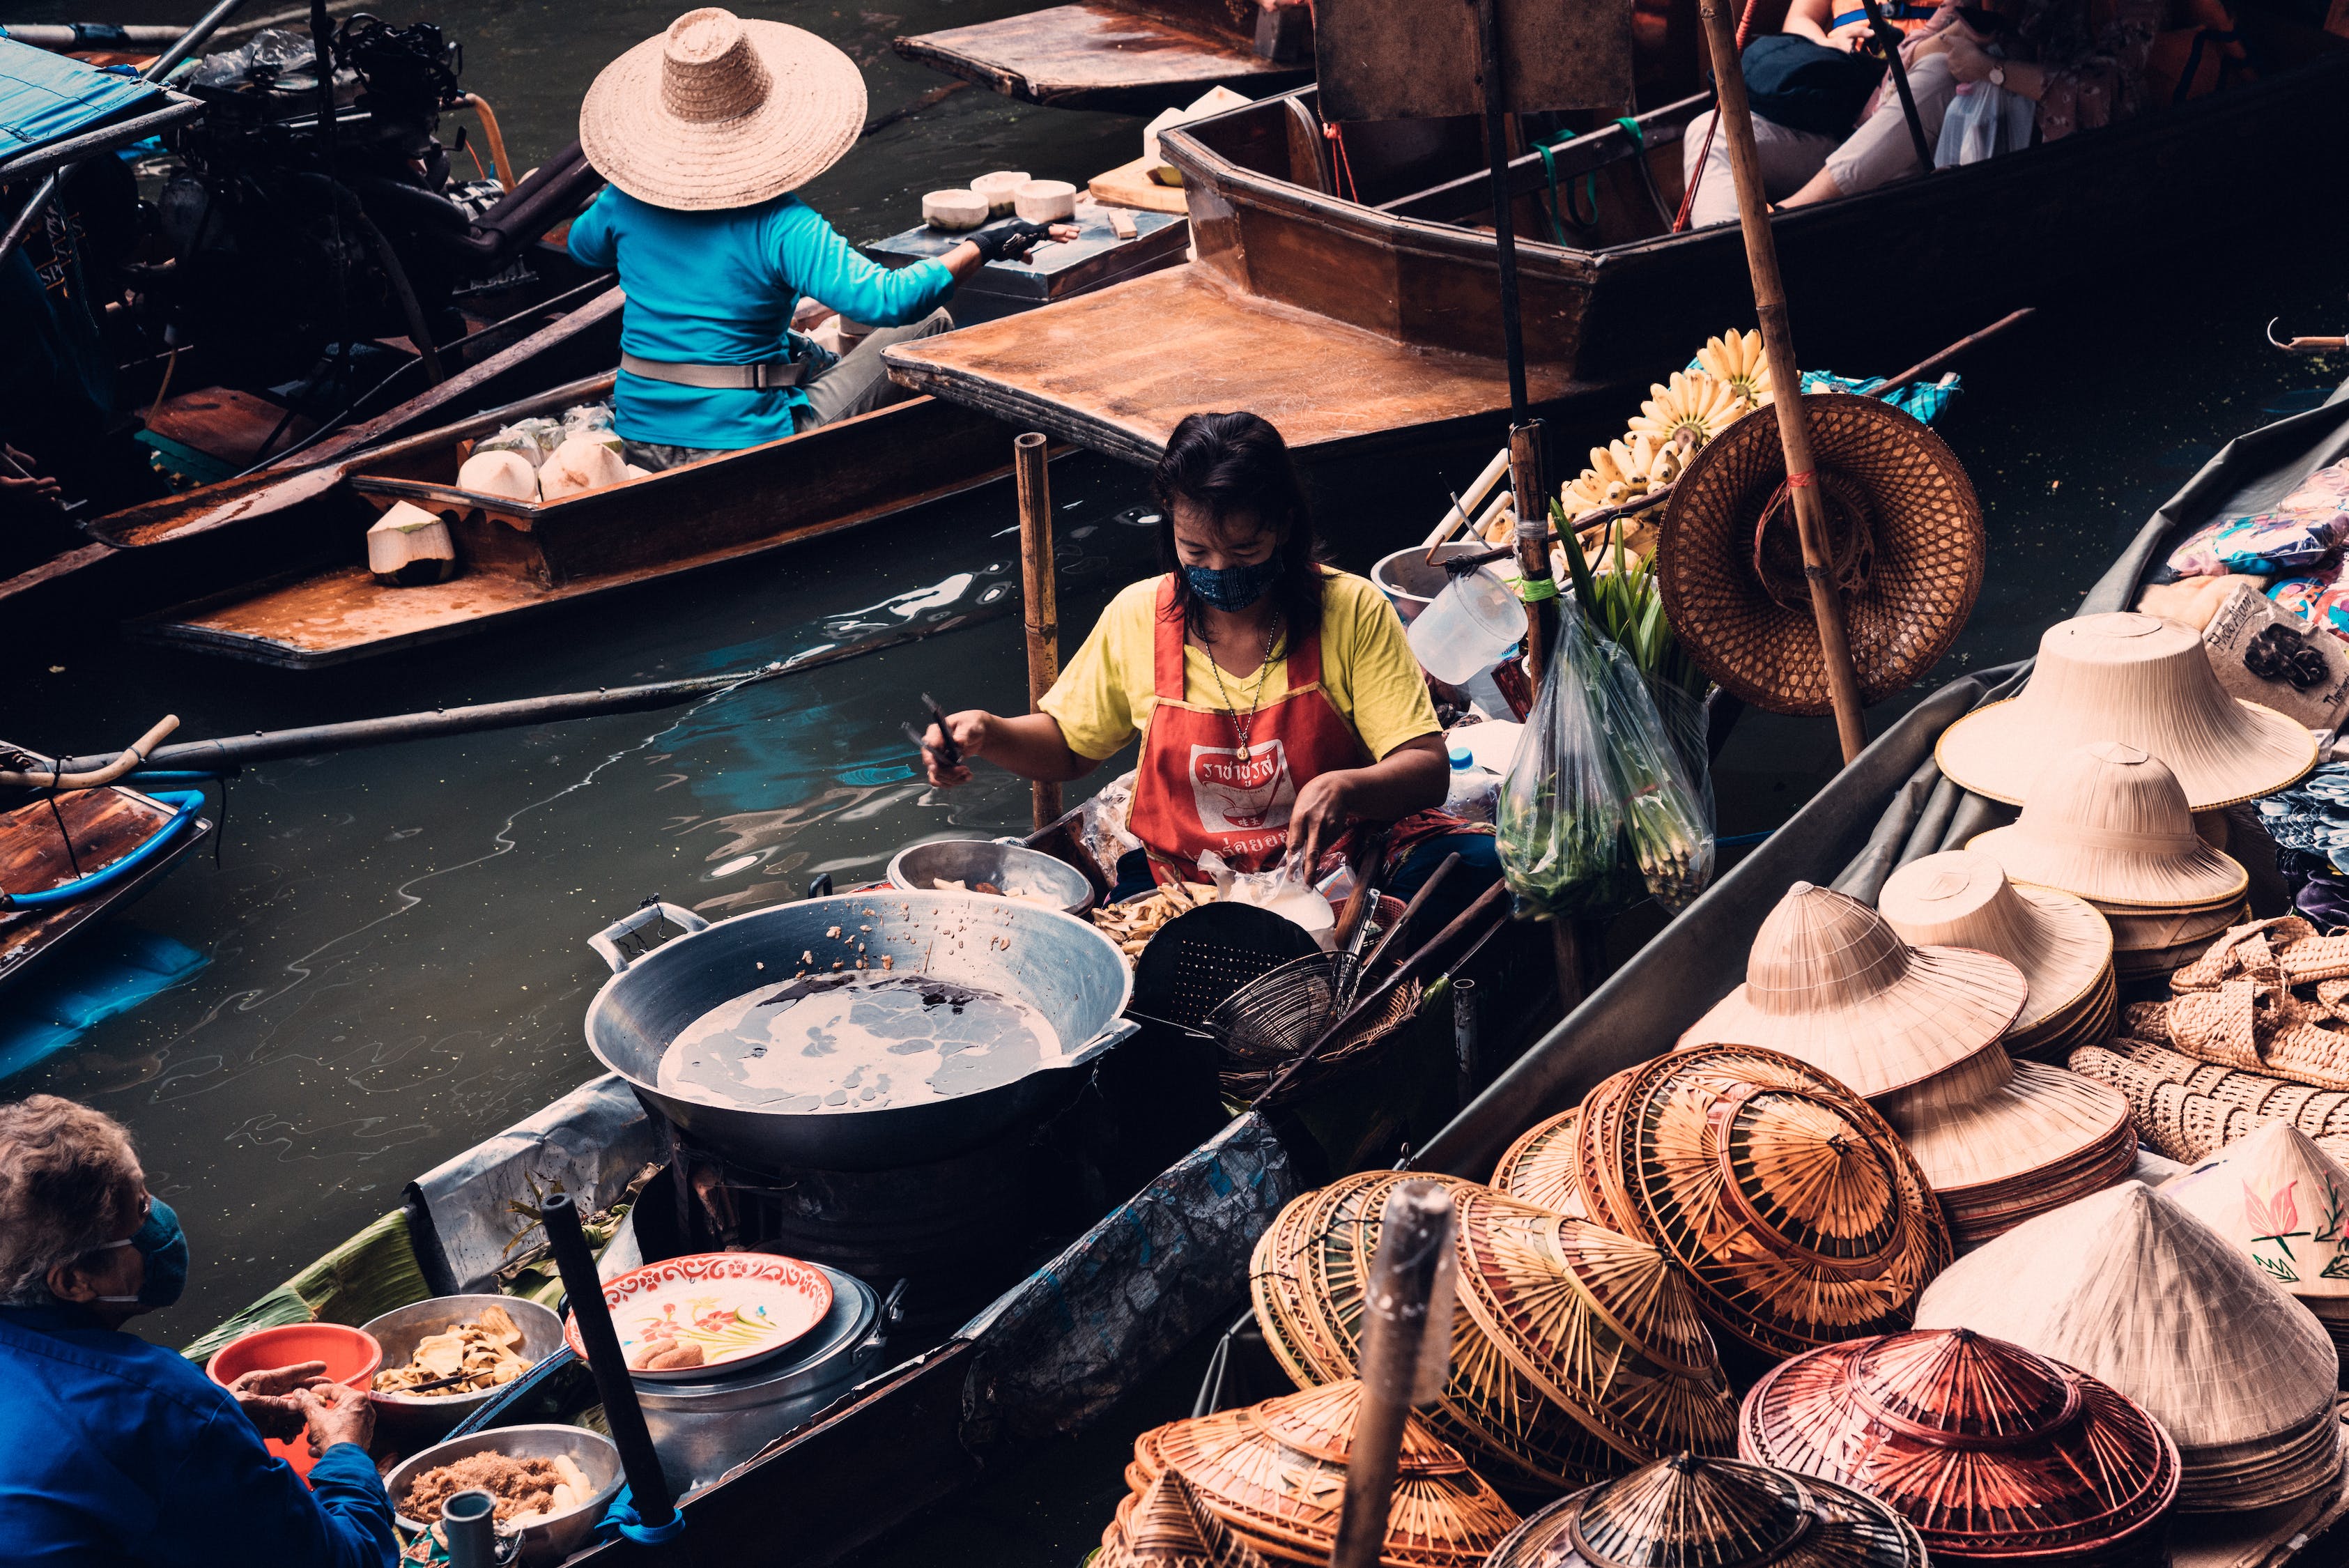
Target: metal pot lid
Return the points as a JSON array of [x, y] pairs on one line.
[[818, 1360]]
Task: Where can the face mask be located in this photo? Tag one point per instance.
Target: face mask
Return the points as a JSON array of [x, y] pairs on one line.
[[1235, 588], [165, 1247]]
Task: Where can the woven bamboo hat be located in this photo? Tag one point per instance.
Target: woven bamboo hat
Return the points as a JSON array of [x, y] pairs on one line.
[[1167, 1526], [1906, 544], [1539, 1168], [1830, 981], [719, 111], [1995, 1454], [2285, 1202], [2108, 822], [2133, 677], [2129, 1287], [1961, 899], [1691, 1512], [1798, 1214]]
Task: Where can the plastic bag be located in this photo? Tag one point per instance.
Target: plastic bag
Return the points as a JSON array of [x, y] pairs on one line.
[[534, 439], [1560, 824], [1667, 811], [1983, 120], [592, 419]]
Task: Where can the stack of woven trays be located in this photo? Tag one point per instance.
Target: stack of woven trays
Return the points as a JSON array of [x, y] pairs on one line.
[[1575, 1353], [2131, 1288], [1691, 1512], [1274, 1475], [2284, 1202], [1996, 1455]]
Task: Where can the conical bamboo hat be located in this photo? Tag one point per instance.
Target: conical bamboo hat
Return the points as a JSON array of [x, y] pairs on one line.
[[1796, 1211], [2129, 1287], [1539, 1169], [1169, 1527], [1959, 898], [1830, 982], [2282, 1200], [2136, 679], [2108, 822], [2014, 1137], [1691, 1512], [1995, 1454]]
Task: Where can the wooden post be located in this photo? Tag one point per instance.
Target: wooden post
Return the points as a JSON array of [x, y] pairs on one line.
[[1734, 117], [1039, 592], [1409, 1290], [1536, 586]]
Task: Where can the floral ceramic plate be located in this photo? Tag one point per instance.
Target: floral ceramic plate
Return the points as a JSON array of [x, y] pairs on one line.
[[678, 1320]]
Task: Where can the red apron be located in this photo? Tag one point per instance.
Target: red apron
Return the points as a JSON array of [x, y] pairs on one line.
[[1194, 791]]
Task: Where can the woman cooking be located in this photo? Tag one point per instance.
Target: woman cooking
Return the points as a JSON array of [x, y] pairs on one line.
[[1276, 699]]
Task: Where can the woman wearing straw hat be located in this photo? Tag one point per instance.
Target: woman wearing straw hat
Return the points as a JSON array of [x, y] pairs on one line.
[[704, 132]]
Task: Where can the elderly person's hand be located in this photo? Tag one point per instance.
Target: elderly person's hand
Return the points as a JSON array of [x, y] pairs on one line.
[[339, 1414], [271, 1397]]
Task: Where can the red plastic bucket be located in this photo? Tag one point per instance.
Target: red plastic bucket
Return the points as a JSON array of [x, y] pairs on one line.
[[351, 1356]]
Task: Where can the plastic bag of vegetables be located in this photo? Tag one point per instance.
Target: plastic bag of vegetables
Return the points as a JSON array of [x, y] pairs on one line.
[[1667, 817], [1561, 818]]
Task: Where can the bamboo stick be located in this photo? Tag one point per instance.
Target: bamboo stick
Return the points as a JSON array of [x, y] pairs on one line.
[[1467, 502], [1535, 585], [1037, 587], [1734, 116], [1406, 1293]]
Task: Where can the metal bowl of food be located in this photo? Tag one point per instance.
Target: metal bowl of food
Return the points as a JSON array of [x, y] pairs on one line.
[[412, 1419], [545, 1539], [1003, 865]]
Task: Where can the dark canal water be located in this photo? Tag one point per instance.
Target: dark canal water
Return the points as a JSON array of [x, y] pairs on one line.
[[388, 961]]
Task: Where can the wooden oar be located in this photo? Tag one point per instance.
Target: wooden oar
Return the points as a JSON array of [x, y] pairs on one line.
[[1735, 116]]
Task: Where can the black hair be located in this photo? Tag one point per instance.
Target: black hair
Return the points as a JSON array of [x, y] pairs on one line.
[[1225, 465]]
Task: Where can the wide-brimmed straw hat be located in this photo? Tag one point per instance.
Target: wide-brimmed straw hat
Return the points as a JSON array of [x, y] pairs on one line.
[[1830, 982], [1961, 899], [2133, 677], [2108, 822], [721, 112]]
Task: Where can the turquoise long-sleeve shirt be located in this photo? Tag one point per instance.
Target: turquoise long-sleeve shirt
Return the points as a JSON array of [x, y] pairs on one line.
[[719, 289]]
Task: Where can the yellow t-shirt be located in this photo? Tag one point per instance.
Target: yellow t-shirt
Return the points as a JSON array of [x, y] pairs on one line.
[[1104, 696]]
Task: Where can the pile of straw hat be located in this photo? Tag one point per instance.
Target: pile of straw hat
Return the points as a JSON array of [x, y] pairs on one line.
[[1539, 1168], [1169, 1527], [1794, 1209], [2062, 945], [1996, 1455], [2188, 1110], [1275, 1475], [2108, 822], [2129, 1287], [1691, 1512], [2134, 679], [2285, 1202], [1575, 1353]]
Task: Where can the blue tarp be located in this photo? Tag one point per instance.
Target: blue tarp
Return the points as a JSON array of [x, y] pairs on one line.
[[45, 97]]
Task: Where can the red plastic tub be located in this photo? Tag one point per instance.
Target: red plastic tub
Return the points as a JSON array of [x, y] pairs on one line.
[[351, 1356]]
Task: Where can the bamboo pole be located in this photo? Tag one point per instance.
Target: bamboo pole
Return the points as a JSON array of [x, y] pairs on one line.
[[1410, 1296], [1535, 583], [1038, 587], [1734, 116]]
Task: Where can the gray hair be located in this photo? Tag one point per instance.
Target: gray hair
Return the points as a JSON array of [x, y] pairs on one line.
[[70, 1183]]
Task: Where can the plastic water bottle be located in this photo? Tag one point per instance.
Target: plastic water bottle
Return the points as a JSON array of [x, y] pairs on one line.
[[1474, 794]]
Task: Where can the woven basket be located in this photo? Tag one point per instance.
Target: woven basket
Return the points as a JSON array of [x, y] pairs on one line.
[[1691, 1513], [1995, 1454], [1358, 1047], [1798, 1213], [1539, 1168], [1913, 554]]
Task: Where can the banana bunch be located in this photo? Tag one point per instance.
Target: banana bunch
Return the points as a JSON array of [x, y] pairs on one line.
[[1689, 410], [1737, 363]]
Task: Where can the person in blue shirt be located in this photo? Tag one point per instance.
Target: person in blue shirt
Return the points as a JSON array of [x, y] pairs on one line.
[[118, 1451], [704, 132]]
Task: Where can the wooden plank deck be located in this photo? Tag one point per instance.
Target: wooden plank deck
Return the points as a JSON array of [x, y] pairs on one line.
[[1095, 56]]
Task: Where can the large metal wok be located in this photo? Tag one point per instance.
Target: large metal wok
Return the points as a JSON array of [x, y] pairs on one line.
[[1058, 964]]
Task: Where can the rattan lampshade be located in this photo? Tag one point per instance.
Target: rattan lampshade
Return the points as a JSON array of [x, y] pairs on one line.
[[1905, 540], [1167, 1526], [1539, 1168], [1961, 899], [1828, 980], [2285, 1202], [2136, 679], [1276, 1474], [1795, 1210], [1691, 1513], [1996, 1455], [2108, 822], [2129, 1287]]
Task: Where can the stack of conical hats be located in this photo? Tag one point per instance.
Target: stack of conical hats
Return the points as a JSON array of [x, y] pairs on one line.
[[1798, 1213], [1828, 982], [2109, 822], [2285, 1202], [1995, 1454], [1691, 1512], [2131, 1288], [1575, 1352], [1274, 1473], [2134, 679], [1167, 1526], [1539, 1168], [2062, 945]]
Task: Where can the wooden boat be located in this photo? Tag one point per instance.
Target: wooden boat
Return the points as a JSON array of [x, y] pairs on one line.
[[1356, 323], [106, 825], [1134, 57]]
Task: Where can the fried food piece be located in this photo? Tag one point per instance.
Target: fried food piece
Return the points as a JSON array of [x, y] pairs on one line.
[[486, 1352]]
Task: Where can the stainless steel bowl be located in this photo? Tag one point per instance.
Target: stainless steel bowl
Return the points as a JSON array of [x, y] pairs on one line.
[[917, 867], [550, 1539], [1411, 583], [412, 1419]]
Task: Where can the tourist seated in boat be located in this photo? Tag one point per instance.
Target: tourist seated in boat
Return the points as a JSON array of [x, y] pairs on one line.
[[120, 1451], [704, 132], [1276, 699]]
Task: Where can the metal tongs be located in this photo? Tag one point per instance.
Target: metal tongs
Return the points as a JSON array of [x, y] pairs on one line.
[[945, 751]]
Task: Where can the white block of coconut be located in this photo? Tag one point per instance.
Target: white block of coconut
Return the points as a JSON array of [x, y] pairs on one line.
[[954, 211], [1046, 201], [408, 547], [502, 473], [1215, 100], [1000, 189], [581, 463]]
